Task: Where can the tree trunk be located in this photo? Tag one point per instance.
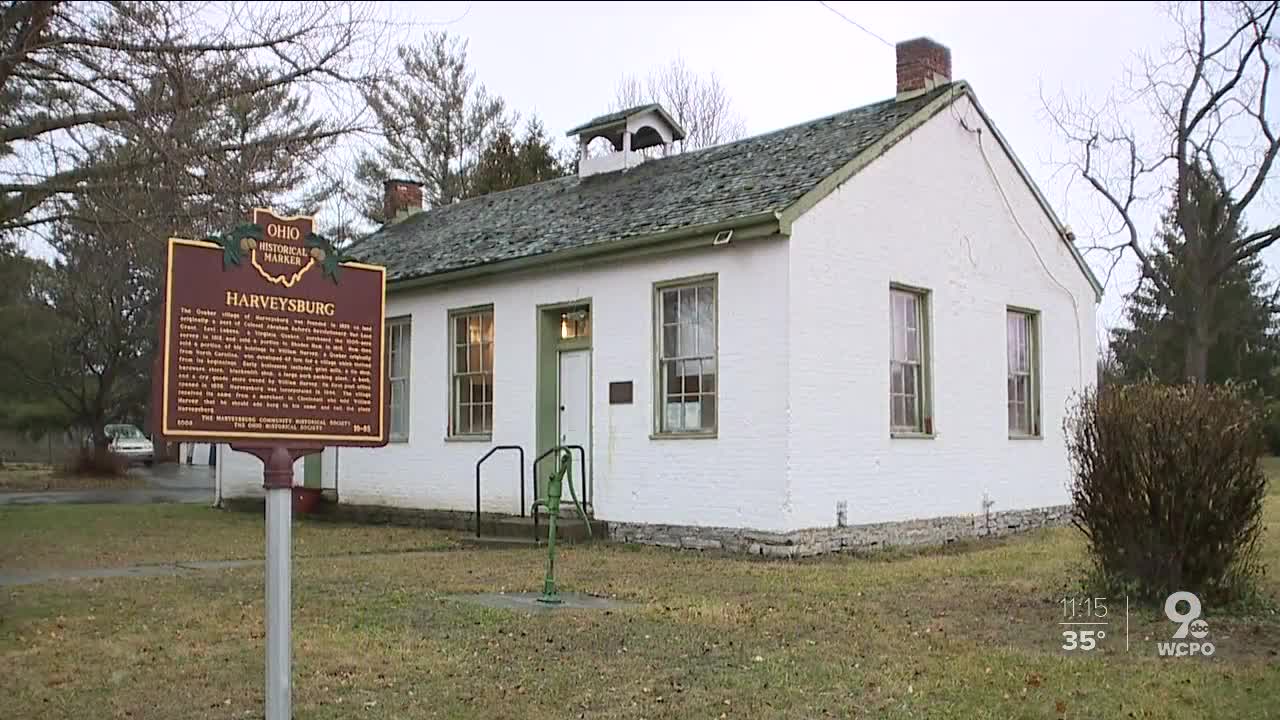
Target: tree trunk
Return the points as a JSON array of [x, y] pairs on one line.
[[101, 464], [1198, 342]]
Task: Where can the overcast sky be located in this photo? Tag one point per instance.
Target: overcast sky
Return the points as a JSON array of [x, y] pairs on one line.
[[785, 63]]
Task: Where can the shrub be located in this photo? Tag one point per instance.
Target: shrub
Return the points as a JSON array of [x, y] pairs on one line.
[[1168, 488], [90, 461]]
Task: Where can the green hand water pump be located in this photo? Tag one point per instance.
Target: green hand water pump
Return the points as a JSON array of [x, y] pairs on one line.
[[555, 485]]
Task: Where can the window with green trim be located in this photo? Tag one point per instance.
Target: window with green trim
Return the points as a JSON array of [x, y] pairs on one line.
[[399, 335], [909, 363], [471, 372], [687, 356], [1022, 348]]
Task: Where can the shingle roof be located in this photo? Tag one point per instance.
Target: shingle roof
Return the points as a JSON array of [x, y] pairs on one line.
[[612, 117], [756, 175]]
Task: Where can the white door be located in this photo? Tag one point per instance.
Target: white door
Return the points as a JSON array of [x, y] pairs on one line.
[[574, 426]]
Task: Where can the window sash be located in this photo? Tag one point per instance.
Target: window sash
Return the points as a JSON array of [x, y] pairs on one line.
[[575, 324], [907, 383], [399, 343], [471, 341], [1022, 391], [687, 367], [904, 395]]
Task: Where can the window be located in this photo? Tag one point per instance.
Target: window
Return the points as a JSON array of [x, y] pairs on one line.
[[398, 341], [686, 367], [908, 363], [471, 372], [575, 323], [1022, 349]]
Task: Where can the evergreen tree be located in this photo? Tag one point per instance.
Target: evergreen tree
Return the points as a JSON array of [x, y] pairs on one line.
[[509, 163], [1162, 310], [26, 323]]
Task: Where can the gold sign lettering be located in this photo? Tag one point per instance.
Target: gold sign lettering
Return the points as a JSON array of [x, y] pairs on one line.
[[257, 301], [283, 232]]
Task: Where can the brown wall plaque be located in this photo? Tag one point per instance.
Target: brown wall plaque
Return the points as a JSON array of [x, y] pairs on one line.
[[620, 393], [271, 343]]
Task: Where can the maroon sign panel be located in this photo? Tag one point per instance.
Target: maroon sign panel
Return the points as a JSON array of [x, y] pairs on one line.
[[272, 340]]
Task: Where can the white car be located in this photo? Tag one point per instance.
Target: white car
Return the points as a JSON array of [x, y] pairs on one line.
[[128, 442]]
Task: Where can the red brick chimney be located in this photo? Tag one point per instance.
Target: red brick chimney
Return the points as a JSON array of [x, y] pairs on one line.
[[400, 199], [922, 65]]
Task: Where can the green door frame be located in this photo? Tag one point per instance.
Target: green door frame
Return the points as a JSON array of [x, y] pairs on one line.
[[312, 470], [547, 395]]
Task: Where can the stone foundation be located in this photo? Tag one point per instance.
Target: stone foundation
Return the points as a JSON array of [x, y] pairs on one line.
[[817, 541], [799, 543]]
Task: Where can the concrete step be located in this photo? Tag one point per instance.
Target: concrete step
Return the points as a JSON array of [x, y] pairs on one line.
[[567, 530]]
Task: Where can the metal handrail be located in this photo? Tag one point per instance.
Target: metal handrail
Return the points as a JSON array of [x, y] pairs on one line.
[[480, 462], [582, 454]]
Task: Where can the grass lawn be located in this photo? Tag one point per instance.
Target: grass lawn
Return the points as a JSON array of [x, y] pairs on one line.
[[98, 536], [38, 477], [964, 632]]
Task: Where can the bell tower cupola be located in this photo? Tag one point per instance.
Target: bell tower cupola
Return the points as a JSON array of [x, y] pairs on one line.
[[628, 132]]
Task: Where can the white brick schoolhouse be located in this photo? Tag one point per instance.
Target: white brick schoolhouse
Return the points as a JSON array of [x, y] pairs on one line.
[[864, 328]]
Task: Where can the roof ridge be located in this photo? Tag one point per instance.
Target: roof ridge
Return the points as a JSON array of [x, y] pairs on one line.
[[764, 172], [776, 131], [680, 155], [813, 121]]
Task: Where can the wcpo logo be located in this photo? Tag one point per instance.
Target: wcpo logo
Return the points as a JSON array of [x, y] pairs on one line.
[[282, 256], [1189, 623]]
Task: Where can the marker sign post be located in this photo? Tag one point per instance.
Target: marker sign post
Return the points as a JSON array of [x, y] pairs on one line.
[[273, 342]]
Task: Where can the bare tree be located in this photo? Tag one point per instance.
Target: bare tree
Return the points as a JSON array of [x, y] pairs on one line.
[[92, 355], [1209, 103], [175, 166], [76, 77], [699, 103], [435, 120]]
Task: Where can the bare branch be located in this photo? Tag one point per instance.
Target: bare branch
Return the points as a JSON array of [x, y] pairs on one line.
[[700, 104], [98, 74]]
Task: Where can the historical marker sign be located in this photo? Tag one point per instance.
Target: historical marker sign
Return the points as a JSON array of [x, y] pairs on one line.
[[272, 341], [270, 338]]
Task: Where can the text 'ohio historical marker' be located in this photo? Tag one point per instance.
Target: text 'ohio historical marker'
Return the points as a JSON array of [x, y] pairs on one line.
[[272, 339]]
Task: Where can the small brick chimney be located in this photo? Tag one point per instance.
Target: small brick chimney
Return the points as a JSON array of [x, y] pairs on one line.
[[400, 199], [922, 65]]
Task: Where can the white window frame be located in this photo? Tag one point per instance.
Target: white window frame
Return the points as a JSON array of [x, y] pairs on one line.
[[399, 340], [662, 355], [455, 406], [1027, 368], [920, 369]]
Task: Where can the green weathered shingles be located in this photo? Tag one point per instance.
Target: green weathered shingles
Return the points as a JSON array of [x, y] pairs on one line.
[[612, 117], [760, 174]]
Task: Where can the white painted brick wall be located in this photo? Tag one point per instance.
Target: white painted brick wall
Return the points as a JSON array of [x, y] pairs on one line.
[[927, 214], [239, 475], [736, 479], [803, 337]]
